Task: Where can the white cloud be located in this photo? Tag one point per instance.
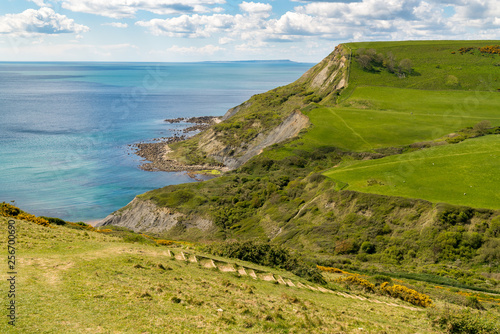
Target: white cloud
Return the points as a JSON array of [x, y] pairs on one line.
[[43, 21], [374, 9], [256, 7], [225, 40], [299, 24], [338, 21], [116, 24], [207, 49], [193, 26], [40, 3], [128, 8]]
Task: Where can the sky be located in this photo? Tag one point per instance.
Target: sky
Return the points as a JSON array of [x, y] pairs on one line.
[[226, 30]]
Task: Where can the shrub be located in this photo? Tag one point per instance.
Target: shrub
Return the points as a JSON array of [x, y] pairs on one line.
[[33, 219], [106, 230], [364, 61], [464, 322], [9, 210], [382, 278], [367, 247], [354, 279], [473, 302], [317, 177], [312, 98], [405, 66], [53, 220], [164, 242], [406, 294], [482, 126], [452, 81], [348, 246], [332, 270], [267, 254]]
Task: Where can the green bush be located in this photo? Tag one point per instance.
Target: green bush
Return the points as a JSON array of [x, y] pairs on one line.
[[367, 247], [56, 221], [465, 322]]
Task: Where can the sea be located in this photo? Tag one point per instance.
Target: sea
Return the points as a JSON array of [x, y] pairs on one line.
[[66, 127]]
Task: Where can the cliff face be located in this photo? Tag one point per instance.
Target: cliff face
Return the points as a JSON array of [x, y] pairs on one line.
[[289, 128], [331, 74], [144, 216]]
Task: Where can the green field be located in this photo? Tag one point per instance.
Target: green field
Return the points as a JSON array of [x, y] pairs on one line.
[[433, 63], [464, 174], [381, 110], [83, 281], [376, 117]]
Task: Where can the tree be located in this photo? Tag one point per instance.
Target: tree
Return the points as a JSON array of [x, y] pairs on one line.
[[482, 126], [365, 62], [378, 58], [389, 62], [371, 53], [405, 66]]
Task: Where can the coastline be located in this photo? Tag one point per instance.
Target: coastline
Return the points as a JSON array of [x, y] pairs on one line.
[[155, 154]]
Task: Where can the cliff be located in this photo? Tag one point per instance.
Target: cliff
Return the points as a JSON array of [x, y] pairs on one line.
[[145, 216], [263, 120], [243, 133]]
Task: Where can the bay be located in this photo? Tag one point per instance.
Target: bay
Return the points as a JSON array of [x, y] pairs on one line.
[[65, 126]]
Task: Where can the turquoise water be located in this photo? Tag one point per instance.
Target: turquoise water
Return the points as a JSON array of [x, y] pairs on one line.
[[65, 127]]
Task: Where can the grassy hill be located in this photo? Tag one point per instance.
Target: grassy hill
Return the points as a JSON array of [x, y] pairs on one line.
[[79, 280], [463, 174], [380, 110]]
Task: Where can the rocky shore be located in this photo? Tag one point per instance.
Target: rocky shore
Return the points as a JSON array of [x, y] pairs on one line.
[[156, 153]]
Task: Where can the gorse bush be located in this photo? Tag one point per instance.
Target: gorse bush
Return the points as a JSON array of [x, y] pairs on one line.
[[332, 270], [354, 279], [406, 294], [53, 220], [9, 210], [164, 242]]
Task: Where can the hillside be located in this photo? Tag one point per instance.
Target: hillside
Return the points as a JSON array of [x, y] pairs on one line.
[[72, 278], [265, 119], [357, 187]]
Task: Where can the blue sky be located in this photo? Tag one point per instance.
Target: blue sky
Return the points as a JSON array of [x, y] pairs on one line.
[[200, 30]]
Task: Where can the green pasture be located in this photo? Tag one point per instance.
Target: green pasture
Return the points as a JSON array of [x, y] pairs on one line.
[[463, 174], [433, 63], [376, 117]]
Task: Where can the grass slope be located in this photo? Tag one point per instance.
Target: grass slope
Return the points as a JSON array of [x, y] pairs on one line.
[[73, 281], [463, 174], [380, 110]]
